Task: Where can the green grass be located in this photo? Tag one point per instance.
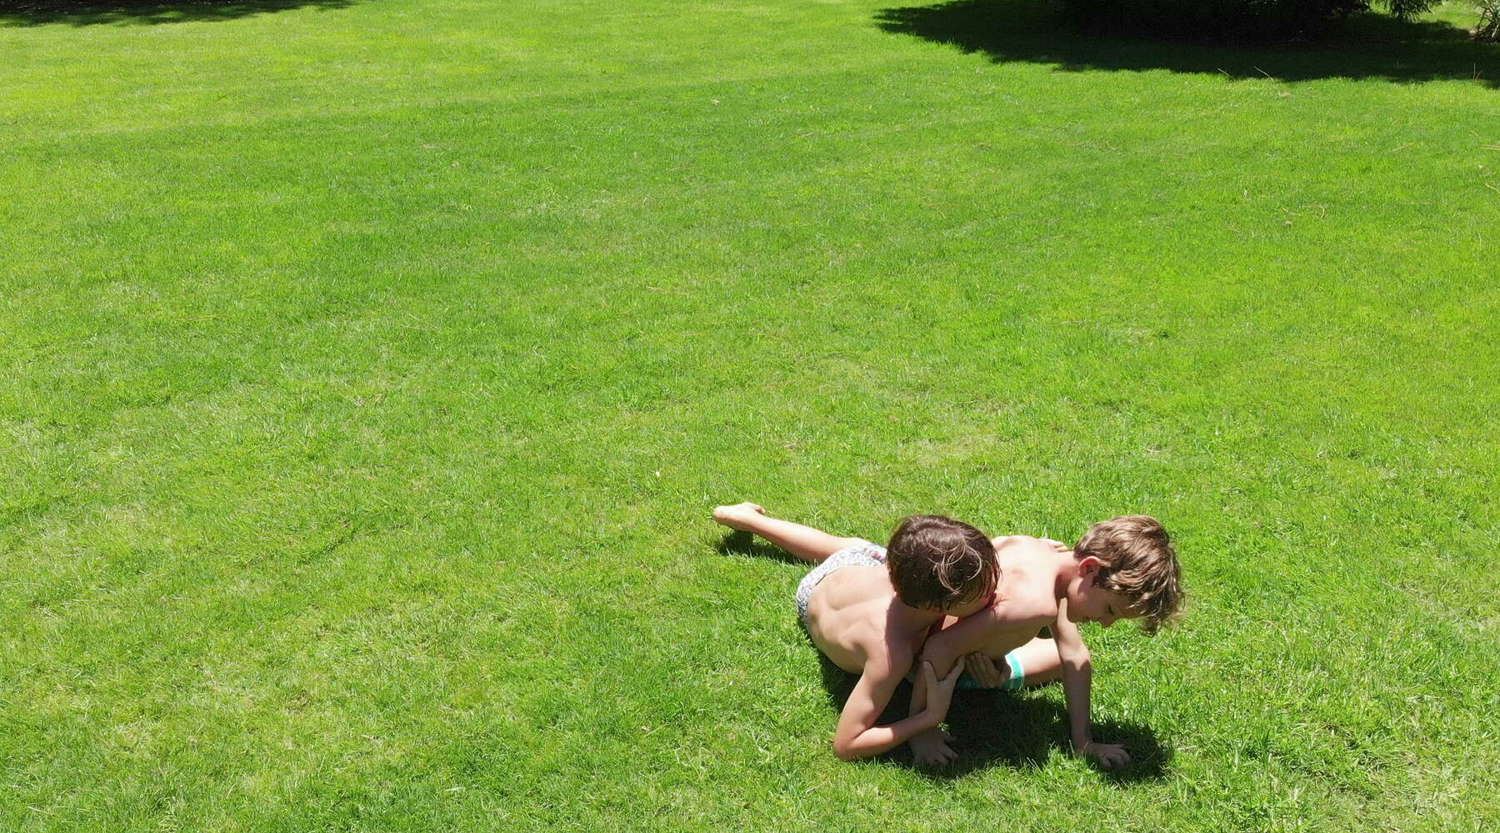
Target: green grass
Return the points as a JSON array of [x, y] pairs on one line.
[[368, 371]]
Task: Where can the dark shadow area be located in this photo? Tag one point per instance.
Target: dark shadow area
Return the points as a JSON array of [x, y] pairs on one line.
[[1019, 730], [746, 544], [1367, 46], [147, 12]]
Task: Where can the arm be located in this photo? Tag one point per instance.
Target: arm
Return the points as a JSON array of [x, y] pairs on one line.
[[942, 650], [1078, 674], [929, 747], [857, 735], [966, 636]]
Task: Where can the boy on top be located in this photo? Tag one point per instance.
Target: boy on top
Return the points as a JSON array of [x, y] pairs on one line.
[[869, 609], [1124, 568]]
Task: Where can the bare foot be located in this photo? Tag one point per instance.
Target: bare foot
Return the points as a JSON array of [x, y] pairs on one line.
[[739, 516]]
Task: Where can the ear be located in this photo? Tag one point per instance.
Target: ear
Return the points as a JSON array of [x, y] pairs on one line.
[[1089, 566]]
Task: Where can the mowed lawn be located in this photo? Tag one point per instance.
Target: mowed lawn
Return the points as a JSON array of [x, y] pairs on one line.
[[368, 372]]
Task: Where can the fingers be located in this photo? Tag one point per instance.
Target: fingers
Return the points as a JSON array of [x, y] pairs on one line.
[[931, 749], [1108, 755], [984, 670], [958, 668], [937, 755], [949, 681]]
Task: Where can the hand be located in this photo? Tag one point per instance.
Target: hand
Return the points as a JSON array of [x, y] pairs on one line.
[[931, 748], [984, 671], [1106, 755], [940, 692]]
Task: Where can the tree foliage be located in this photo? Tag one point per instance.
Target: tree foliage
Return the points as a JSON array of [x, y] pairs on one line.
[[1489, 20]]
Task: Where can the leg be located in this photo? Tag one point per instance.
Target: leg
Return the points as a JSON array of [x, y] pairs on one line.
[[1039, 661], [804, 542]]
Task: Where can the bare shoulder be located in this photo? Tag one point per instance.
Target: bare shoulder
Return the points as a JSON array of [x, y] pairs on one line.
[[1027, 601], [887, 659], [1010, 540], [1021, 541]]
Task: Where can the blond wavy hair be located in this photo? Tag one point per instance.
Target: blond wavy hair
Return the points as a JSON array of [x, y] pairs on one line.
[[1138, 562]]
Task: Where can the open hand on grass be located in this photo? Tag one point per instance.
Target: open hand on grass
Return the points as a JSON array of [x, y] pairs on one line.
[[932, 748], [1106, 755]]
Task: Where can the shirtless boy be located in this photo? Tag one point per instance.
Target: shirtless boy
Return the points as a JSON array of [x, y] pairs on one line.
[[1124, 568], [869, 610]]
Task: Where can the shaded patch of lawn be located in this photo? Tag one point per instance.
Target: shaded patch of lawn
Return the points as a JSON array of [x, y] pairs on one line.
[[1368, 46], [148, 12]]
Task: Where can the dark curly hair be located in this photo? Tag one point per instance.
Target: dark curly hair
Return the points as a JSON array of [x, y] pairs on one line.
[[937, 563]]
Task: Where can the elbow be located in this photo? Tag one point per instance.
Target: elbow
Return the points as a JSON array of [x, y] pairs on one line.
[[844, 750], [1080, 662], [942, 662]]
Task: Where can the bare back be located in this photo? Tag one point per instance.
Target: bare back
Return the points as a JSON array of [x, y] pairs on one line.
[[1025, 602], [849, 619]]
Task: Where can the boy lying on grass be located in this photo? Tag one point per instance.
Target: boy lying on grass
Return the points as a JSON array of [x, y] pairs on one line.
[[869, 610], [1123, 568], [854, 607]]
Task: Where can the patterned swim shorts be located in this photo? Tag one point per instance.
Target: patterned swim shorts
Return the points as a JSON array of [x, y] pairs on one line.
[[863, 554]]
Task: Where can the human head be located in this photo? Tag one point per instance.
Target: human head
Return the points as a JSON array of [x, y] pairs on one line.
[[937, 563], [1128, 570]]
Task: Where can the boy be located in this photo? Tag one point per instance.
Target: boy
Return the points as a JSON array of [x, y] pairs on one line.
[[1124, 568], [869, 609]]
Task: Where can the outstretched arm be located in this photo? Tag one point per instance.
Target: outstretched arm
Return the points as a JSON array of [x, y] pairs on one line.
[[1078, 674], [804, 542]]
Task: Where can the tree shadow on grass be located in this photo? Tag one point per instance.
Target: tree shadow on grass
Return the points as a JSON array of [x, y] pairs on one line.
[[1019, 730], [146, 12], [1369, 46]]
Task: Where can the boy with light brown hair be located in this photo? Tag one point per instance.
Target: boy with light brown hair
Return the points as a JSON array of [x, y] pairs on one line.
[[870, 608], [1123, 568]]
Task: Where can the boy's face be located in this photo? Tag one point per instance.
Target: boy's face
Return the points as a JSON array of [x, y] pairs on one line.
[[1090, 600]]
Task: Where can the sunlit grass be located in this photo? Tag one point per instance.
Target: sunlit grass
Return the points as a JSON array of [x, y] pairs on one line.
[[367, 374]]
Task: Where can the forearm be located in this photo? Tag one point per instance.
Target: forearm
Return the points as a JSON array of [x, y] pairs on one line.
[[1077, 684], [878, 739], [918, 696], [942, 651], [956, 641]]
